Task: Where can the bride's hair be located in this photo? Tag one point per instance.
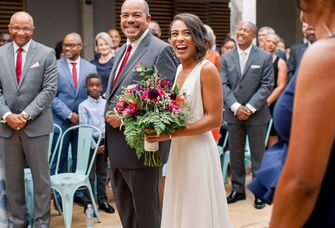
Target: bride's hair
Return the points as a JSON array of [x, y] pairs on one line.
[[197, 30]]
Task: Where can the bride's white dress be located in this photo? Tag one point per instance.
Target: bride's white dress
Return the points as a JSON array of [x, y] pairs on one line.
[[194, 195]]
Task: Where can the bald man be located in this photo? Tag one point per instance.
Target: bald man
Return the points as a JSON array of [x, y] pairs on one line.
[[247, 78], [28, 83], [71, 91]]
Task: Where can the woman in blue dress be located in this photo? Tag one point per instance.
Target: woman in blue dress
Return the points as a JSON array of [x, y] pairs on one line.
[[103, 47], [304, 194], [3, 199]]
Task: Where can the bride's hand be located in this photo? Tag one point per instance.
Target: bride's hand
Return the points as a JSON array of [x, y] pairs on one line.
[[151, 136]]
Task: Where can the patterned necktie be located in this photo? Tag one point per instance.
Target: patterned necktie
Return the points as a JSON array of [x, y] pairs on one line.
[[74, 74], [123, 64], [19, 65]]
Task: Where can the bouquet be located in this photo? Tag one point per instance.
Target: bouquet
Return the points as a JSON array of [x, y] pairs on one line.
[[150, 104]]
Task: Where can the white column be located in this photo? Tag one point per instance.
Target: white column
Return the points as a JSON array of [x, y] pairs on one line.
[[249, 11], [241, 10], [87, 29]]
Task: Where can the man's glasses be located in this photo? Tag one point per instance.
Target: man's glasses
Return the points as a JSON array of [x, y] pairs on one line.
[[18, 29], [70, 45]]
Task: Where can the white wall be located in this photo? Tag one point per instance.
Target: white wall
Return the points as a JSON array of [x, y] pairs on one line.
[[54, 19]]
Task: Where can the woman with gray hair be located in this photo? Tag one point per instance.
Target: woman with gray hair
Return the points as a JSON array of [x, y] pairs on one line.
[[103, 46]]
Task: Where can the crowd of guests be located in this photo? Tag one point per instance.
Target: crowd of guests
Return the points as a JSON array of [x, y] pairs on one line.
[[259, 83]]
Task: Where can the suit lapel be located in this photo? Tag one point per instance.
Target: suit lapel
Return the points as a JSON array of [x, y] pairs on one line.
[[67, 73], [29, 57], [134, 59], [236, 60], [117, 60], [11, 62], [250, 58]]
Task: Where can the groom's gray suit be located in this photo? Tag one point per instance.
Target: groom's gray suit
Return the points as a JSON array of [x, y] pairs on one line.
[[252, 86], [135, 186], [33, 96]]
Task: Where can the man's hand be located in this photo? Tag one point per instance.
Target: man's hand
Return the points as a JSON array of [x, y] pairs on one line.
[[243, 113], [74, 118], [16, 121], [101, 149], [113, 121]]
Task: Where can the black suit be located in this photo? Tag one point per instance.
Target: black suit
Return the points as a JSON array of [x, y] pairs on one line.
[[296, 53]]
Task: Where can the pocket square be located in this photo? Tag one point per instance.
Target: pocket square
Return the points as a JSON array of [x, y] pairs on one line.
[[35, 64], [255, 66]]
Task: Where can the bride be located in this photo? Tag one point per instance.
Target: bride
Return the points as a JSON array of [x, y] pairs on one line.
[[194, 193]]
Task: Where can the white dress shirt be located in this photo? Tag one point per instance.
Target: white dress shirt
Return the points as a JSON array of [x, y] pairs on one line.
[[134, 46]]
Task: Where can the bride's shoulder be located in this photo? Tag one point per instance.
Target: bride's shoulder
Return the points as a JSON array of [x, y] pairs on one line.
[[208, 67], [209, 71]]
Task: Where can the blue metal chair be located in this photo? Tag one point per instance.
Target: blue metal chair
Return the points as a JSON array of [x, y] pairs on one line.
[[247, 155], [67, 183], [28, 179], [223, 159]]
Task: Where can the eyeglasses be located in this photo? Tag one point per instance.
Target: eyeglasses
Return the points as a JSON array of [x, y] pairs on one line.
[[70, 45], [24, 29]]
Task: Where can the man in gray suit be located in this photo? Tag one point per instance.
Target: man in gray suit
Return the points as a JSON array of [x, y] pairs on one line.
[[247, 78], [134, 185], [28, 83]]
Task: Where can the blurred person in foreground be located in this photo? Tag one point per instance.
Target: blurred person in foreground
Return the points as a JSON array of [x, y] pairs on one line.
[[304, 196], [305, 192], [194, 197]]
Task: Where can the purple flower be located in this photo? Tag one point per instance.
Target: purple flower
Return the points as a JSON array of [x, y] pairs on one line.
[[153, 94], [173, 96]]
